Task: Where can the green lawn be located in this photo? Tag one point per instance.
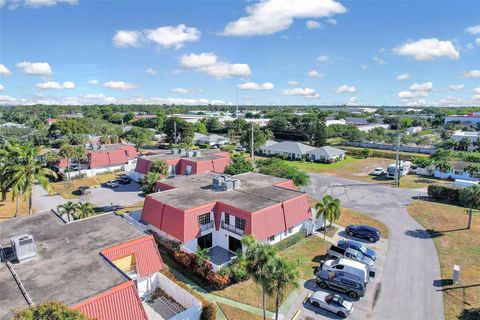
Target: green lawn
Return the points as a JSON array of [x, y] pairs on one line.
[[232, 313], [317, 167], [455, 245]]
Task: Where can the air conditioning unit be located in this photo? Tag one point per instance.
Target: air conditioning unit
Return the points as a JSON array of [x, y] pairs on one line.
[[24, 247]]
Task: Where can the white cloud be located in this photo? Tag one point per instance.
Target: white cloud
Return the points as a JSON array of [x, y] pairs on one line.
[[312, 24], [315, 74], [428, 49], [353, 101], [427, 86], [120, 85], [364, 67], [7, 100], [346, 89], [127, 38], [1, 87], [180, 90], [477, 41], [4, 70], [473, 29], [457, 87], [211, 65], [2, 2], [477, 90], [292, 83], [47, 3], [271, 16], [95, 96], [472, 74], [305, 92], [469, 46], [56, 85], [36, 68], [406, 94], [403, 77], [171, 36], [256, 86], [94, 82], [323, 59], [378, 60], [151, 72], [332, 21]]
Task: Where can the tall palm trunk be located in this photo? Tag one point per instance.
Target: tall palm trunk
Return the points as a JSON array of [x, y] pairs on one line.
[[263, 303], [17, 206], [277, 303], [30, 204]]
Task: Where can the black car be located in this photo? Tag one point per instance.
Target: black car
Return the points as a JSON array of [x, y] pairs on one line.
[[124, 179], [363, 231]]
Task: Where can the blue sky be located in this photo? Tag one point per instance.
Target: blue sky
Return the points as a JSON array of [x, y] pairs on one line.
[[265, 52]]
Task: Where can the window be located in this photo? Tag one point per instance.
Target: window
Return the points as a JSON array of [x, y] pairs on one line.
[[240, 223], [271, 238], [459, 172], [204, 219], [227, 218], [290, 230]]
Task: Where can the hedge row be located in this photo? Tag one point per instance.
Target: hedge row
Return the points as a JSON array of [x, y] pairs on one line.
[[290, 241], [444, 192], [375, 153]]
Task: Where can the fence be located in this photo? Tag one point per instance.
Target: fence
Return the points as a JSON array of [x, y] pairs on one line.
[[384, 146], [192, 305]]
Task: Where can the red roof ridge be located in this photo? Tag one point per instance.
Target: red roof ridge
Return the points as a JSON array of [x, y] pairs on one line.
[[127, 244]]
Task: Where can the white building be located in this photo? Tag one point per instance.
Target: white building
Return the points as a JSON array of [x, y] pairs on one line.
[[329, 122], [370, 127], [459, 135], [471, 118], [413, 130]]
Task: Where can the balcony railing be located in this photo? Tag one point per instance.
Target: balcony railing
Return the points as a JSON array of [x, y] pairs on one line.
[[204, 227], [231, 228]]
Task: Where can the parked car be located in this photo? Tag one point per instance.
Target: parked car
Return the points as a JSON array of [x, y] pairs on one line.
[[124, 179], [348, 253], [240, 148], [363, 231], [359, 269], [331, 302], [341, 281], [111, 184], [378, 171], [83, 190], [359, 247]]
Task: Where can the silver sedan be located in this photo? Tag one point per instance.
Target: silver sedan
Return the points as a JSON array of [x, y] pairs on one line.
[[331, 302]]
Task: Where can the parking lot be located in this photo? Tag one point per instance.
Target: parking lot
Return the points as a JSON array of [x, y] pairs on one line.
[[362, 306], [101, 197]]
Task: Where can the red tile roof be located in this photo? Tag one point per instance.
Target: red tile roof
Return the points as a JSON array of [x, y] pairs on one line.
[[106, 158], [146, 254], [119, 303]]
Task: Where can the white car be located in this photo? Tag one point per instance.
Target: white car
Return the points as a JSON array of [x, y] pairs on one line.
[[378, 171], [111, 184], [331, 302]]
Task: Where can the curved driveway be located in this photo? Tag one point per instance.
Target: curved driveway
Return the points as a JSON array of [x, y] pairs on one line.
[[412, 266]]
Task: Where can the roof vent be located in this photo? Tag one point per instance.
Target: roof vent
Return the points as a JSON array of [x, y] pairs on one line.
[[24, 247], [225, 182]]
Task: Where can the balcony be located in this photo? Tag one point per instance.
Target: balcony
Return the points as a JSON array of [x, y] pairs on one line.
[[231, 228], [205, 227]]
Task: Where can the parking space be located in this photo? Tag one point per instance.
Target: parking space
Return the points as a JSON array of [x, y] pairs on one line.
[[121, 196], [363, 306]]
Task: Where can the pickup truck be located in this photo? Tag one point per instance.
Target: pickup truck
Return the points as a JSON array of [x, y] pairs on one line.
[[349, 253]]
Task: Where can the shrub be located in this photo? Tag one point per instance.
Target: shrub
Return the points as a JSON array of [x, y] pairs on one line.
[[209, 312], [290, 241], [227, 148], [48, 311], [444, 192], [204, 146]]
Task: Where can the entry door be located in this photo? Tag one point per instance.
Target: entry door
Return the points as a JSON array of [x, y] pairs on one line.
[[234, 244], [205, 241]]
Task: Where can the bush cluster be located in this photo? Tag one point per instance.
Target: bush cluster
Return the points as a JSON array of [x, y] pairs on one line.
[[290, 241], [444, 192]]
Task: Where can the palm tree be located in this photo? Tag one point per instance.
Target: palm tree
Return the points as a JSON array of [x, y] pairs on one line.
[[443, 166], [149, 181], [69, 208], [26, 171], [79, 154], [328, 208], [283, 275], [84, 210], [472, 169], [258, 255], [67, 152]]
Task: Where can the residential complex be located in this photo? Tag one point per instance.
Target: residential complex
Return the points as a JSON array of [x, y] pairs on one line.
[[296, 150], [181, 162], [215, 211], [100, 265]]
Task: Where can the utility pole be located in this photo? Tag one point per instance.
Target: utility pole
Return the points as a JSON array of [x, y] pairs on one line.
[[236, 112], [175, 132], [397, 163], [252, 151]]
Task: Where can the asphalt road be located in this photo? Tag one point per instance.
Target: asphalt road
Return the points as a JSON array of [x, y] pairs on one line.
[[407, 288]]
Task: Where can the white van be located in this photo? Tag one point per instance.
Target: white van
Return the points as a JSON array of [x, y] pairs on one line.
[[350, 266]]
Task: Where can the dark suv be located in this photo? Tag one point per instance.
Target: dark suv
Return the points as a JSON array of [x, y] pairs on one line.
[[363, 231], [124, 179], [341, 281]]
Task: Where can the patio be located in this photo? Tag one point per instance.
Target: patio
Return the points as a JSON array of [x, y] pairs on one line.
[[162, 308], [220, 256]]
